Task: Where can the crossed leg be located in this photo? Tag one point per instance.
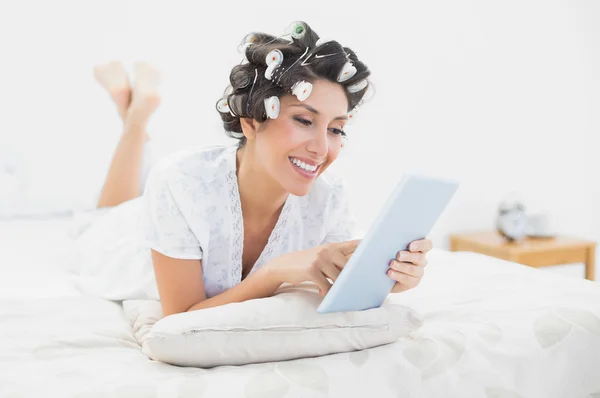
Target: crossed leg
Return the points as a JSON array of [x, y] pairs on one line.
[[135, 106]]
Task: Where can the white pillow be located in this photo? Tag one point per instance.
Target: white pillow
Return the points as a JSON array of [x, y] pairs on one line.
[[282, 327]]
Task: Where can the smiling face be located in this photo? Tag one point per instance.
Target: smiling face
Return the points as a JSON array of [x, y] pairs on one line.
[[303, 141]]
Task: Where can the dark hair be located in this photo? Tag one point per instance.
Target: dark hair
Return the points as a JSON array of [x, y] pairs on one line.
[[249, 87]]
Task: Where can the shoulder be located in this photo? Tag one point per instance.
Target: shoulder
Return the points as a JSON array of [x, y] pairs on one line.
[[192, 179], [196, 163]]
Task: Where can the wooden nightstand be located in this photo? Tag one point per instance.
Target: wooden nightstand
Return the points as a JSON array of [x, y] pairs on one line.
[[535, 252]]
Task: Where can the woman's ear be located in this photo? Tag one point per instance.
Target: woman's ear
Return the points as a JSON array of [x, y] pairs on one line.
[[250, 127]]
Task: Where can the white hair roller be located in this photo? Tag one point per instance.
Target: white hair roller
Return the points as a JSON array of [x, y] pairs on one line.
[[274, 59], [223, 106], [302, 90], [272, 107], [355, 88], [347, 72], [297, 30]]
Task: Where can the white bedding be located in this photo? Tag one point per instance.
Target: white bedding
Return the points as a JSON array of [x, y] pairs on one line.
[[491, 329], [32, 258]]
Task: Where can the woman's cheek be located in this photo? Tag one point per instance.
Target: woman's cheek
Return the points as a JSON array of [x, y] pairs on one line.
[[335, 146]]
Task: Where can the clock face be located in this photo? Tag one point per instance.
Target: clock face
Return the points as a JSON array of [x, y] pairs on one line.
[[513, 224]]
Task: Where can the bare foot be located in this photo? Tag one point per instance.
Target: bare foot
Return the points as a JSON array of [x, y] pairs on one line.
[[145, 97], [113, 77]]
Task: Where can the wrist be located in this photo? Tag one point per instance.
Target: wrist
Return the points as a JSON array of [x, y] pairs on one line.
[[271, 274]]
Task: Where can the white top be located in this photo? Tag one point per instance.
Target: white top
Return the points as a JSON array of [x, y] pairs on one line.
[[193, 211]]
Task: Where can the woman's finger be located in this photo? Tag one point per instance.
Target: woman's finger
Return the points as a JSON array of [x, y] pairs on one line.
[[405, 280], [339, 259], [417, 258], [347, 247], [407, 268], [422, 245], [331, 271], [319, 279]]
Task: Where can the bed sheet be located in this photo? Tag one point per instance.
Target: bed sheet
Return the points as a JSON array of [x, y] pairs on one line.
[[491, 329], [33, 257]]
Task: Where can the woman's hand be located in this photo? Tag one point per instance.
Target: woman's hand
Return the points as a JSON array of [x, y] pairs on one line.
[[315, 265], [408, 267]]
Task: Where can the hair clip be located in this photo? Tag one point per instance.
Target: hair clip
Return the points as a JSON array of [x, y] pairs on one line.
[[274, 59], [277, 73], [272, 107], [302, 90], [235, 134], [355, 88], [347, 72], [251, 90], [280, 70]]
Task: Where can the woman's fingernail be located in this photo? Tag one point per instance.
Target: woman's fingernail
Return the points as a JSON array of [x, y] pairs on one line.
[[414, 247]]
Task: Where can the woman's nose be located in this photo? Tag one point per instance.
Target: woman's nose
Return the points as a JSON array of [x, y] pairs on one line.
[[319, 144]]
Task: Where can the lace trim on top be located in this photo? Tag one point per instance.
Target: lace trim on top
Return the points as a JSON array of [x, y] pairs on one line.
[[237, 250], [235, 269], [274, 237]]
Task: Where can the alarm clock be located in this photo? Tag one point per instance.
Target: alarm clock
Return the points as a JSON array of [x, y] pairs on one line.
[[512, 221]]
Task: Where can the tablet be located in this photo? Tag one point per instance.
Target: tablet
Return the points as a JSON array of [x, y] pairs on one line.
[[409, 214]]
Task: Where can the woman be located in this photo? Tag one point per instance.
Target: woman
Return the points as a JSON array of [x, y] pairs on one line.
[[229, 224]]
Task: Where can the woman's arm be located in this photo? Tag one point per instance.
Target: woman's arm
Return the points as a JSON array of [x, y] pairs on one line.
[[179, 282], [259, 284], [181, 286]]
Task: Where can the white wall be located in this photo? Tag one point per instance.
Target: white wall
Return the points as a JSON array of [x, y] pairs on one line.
[[504, 96]]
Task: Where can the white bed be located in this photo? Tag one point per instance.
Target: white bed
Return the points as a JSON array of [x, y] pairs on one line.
[[491, 329]]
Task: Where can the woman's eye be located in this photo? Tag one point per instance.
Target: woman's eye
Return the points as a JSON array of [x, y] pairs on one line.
[[307, 123], [338, 132], [303, 121]]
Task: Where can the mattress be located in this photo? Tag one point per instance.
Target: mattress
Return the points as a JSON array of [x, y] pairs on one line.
[[491, 328]]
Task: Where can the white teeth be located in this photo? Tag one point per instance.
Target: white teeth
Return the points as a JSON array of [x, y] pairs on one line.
[[303, 165]]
